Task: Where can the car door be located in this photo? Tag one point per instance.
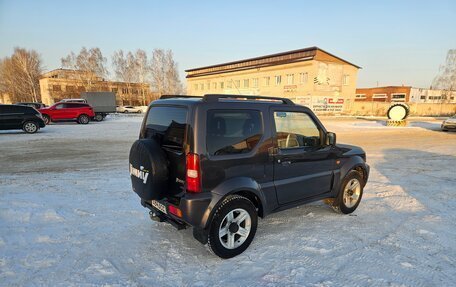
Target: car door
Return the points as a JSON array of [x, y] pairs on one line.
[[303, 164], [60, 112], [11, 117]]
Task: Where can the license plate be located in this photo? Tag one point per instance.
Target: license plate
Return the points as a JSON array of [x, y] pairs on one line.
[[158, 206]]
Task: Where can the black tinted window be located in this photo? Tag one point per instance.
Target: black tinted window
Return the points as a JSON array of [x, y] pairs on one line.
[[167, 125], [233, 131], [12, 109]]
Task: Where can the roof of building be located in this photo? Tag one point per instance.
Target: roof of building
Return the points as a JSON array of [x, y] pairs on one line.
[[267, 60]]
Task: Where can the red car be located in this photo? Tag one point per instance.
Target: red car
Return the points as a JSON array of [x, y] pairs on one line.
[[80, 112]]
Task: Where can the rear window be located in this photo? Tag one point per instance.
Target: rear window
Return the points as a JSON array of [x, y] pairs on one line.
[[233, 131], [167, 126]]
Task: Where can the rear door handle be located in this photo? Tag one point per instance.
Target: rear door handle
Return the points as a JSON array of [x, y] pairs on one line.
[[284, 162]]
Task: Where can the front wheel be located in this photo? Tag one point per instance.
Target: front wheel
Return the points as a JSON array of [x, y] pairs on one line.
[[83, 119], [350, 194], [233, 226]]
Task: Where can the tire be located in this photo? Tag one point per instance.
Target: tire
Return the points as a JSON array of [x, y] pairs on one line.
[[139, 112], [125, 112], [98, 117], [350, 193], [394, 108], [221, 231], [148, 169], [30, 127], [83, 119], [47, 119]]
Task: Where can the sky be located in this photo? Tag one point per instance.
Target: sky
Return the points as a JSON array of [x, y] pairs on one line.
[[395, 42]]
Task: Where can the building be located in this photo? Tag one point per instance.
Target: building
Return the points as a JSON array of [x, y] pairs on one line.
[[309, 76], [384, 94], [418, 95], [63, 83]]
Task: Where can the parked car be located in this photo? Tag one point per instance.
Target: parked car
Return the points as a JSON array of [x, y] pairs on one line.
[[128, 109], [449, 124], [68, 111], [33, 105], [73, 101], [15, 117], [217, 163]]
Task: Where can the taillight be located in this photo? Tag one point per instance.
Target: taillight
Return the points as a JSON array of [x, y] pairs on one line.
[[174, 210], [193, 173]]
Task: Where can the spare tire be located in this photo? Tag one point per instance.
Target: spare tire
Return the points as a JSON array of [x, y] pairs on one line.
[[148, 169]]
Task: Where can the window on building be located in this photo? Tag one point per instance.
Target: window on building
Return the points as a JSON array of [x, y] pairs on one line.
[[246, 83], [208, 86], [255, 83], [398, 97], [266, 81], [56, 88], [134, 91], [70, 88], [229, 84], [379, 97], [201, 87], [237, 84], [195, 87], [278, 80], [303, 77], [214, 86], [222, 85], [423, 97], [346, 80], [360, 96], [290, 79], [114, 90]]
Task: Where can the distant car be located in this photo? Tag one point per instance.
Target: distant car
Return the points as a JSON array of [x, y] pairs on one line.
[[73, 101], [33, 105], [68, 111], [449, 124], [128, 109], [15, 117]]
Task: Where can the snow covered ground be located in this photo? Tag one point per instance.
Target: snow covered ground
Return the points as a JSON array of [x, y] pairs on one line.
[[68, 217]]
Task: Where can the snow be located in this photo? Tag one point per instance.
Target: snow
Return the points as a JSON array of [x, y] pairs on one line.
[[68, 217]]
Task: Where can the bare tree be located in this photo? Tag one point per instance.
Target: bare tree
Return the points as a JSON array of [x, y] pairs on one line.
[[90, 66], [165, 75], [20, 74], [143, 70], [446, 78]]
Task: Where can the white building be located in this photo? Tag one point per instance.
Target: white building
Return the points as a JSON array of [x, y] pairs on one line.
[[418, 95]]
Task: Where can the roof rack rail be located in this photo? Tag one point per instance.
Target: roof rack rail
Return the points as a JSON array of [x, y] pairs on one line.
[[163, 97], [216, 97]]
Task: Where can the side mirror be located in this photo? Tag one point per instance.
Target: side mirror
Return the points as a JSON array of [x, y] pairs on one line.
[[331, 138]]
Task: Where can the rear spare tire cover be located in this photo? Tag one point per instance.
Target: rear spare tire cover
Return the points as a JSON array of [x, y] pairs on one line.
[[148, 169]]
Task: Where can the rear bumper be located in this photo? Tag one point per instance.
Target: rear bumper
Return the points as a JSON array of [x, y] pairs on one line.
[[448, 126], [194, 208]]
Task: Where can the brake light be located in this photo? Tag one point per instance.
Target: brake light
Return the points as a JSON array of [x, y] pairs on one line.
[[193, 173], [174, 210]]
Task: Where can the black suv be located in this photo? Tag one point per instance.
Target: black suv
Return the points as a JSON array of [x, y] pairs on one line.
[[217, 162], [14, 117]]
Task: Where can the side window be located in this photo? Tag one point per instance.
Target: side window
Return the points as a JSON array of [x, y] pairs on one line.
[[233, 131], [166, 125], [60, 106], [296, 129]]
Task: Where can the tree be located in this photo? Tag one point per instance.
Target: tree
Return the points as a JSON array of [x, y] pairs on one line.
[[164, 71], [446, 78], [90, 66], [20, 74]]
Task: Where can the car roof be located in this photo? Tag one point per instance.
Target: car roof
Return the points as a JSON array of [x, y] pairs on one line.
[[220, 99]]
